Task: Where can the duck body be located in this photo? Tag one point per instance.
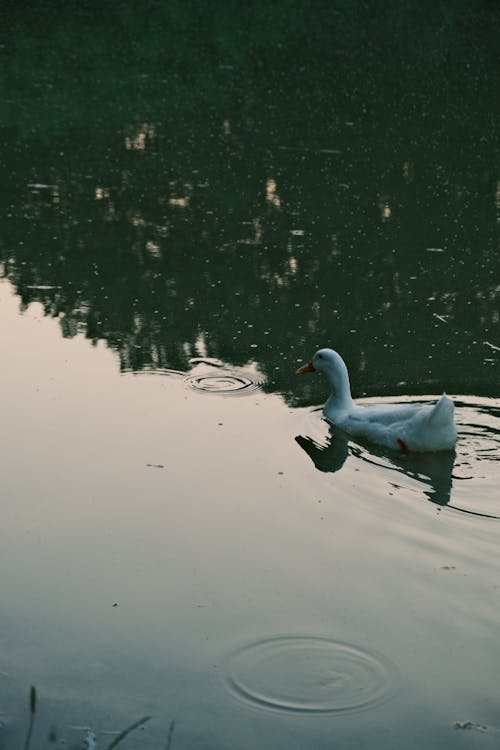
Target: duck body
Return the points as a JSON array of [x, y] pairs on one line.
[[403, 427]]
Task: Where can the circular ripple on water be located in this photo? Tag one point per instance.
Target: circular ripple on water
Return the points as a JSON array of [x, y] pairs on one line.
[[156, 371], [476, 472], [309, 675], [223, 383]]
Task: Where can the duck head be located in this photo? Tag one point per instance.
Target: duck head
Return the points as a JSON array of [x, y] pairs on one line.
[[325, 360], [333, 366]]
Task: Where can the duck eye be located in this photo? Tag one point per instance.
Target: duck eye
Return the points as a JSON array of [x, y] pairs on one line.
[[320, 356]]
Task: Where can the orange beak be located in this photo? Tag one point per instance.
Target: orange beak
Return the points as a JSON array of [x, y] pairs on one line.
[[305, 368]]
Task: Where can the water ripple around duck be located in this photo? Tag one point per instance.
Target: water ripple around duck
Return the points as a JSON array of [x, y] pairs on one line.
[[465, 480]]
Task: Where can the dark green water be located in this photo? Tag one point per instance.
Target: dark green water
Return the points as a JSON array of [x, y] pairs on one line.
[[273, 179], [244, 184]]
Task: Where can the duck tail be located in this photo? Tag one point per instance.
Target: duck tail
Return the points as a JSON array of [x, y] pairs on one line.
[[442, 411]]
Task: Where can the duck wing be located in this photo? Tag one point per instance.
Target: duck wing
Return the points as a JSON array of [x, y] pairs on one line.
[[386, 414], [414, 427]]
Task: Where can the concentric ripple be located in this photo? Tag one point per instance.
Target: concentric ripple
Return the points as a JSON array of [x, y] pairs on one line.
[[303, 674], [476, 473], [156, 371], [223, 383], [464, 480]]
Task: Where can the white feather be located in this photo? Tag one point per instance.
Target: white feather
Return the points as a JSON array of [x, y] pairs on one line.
[[412, 427]]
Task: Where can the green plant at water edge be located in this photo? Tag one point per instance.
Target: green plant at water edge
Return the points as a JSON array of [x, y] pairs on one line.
[[32, 717], [170, 734], [127, 731], [90, 744]]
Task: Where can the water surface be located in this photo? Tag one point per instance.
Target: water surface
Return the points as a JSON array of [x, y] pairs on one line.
[[192, 203]]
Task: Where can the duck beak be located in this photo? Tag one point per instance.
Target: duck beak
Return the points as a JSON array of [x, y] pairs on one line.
[[305, 368]]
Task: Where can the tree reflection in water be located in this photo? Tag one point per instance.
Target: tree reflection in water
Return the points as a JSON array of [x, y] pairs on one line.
[[207, 191]]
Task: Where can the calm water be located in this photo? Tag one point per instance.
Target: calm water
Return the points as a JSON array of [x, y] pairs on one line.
[[193, 202]]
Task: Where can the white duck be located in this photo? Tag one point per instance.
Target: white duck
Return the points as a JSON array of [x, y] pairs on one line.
[[405, 427]]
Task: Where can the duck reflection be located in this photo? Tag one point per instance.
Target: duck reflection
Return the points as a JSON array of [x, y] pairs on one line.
[[434, 470]]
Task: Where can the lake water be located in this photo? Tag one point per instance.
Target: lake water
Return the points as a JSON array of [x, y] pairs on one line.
[[183, 536]]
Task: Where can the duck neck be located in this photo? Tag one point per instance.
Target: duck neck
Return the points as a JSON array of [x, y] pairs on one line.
[[340, 398]]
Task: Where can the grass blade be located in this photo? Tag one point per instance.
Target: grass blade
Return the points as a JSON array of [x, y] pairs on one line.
[[127, 731], [32, 717], [170, 733]]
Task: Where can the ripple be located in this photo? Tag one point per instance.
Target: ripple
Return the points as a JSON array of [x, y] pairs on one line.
[[477, 466], [303, 674], [223, 383], [157, 371], [464, 480]]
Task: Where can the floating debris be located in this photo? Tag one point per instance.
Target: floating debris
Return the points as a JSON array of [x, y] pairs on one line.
[[305, 150], [42, 287], [492, 346], [440, 317], [471, 725]]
